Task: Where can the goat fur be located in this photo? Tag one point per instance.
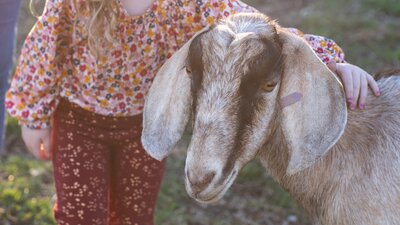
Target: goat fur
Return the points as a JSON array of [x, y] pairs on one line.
[[341, 166], [358, 180]]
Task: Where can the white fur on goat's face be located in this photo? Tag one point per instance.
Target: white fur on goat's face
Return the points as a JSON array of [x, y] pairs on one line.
[[228, 67], [232, 78]]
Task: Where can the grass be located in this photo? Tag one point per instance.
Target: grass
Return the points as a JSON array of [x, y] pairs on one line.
[[391, 7], [254, 198], [25, 191], [368, 35]]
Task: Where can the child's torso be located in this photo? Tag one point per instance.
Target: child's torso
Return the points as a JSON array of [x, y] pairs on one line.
[[116, 82]]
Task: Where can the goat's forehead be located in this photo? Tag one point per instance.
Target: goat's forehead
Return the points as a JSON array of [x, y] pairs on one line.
[[229, 48], [224, 50], [227, 31], [262, 26]]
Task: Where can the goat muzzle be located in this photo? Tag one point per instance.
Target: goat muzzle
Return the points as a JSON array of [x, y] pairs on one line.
[[199, 183]]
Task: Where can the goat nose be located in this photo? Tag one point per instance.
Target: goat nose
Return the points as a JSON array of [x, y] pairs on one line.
[[198, 183]]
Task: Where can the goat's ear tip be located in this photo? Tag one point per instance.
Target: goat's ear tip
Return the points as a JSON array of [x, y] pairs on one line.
[[291, 171], [152, 149], [157, 156], [296, 165]]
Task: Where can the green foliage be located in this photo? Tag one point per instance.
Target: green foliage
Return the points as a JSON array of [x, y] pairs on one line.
[[368, 34], [252, 171], [255, 174], [12, 126], [172, 192], [391, 7], [26, 187], [254, 194], [25, 191]]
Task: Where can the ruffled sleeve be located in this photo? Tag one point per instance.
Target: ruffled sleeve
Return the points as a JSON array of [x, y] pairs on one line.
[[326, 49], [33, 94]]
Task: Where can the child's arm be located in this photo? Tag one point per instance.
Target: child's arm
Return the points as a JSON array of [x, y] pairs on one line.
[[33, 94], [355, 80]]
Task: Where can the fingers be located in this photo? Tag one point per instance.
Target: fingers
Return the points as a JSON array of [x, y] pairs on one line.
[[363, 91], [332, 66], [37, 141], [30, 142], [33, 148], [366, 81], [356, 89], [45, 148], [356, 82], [373, 85], [42, 152], [347, 80]]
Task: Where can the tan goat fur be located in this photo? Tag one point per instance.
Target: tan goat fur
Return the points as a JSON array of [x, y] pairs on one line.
[[232, 80]]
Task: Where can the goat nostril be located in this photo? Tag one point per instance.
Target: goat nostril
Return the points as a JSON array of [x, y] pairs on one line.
[[199, 183]]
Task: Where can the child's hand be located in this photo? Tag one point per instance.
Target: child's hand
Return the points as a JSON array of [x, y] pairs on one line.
[[37, 141], [355, 81]]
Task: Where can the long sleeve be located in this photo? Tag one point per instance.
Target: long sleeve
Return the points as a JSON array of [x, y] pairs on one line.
[[326, 49], [33, 94]]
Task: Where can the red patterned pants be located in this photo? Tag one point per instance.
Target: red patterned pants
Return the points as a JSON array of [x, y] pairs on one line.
[[102, 173]]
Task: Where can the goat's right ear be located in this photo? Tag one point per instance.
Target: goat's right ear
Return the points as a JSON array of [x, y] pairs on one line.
[[168, 105], [317, 119]]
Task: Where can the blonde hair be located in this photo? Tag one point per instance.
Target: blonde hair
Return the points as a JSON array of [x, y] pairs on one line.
[[99, 16]]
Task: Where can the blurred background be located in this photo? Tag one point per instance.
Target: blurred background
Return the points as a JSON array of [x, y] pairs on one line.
[[367, 30]]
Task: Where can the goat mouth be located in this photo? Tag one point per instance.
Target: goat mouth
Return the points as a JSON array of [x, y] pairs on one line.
[[218, 194]]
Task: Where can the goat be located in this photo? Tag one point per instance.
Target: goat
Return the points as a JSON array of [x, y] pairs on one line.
[[253, 89]]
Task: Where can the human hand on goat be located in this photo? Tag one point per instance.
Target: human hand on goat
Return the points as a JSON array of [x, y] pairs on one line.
[[37, 141], [355, 81]]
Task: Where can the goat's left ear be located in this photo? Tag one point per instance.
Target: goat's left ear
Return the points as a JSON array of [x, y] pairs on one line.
[[314, 124], [168, 105]]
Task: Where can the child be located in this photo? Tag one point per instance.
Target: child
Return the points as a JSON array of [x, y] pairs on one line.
[[84, 71]]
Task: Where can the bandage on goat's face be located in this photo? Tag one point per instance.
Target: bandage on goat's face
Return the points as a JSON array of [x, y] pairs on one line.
[[237, 81]]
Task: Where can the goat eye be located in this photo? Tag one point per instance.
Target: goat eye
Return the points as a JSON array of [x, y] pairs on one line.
[[269, 86], [188, 70]]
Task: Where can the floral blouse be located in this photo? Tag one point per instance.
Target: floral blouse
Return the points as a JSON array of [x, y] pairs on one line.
[[55, 61]]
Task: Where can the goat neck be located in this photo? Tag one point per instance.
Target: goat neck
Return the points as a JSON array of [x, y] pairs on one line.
[[337, 184]]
